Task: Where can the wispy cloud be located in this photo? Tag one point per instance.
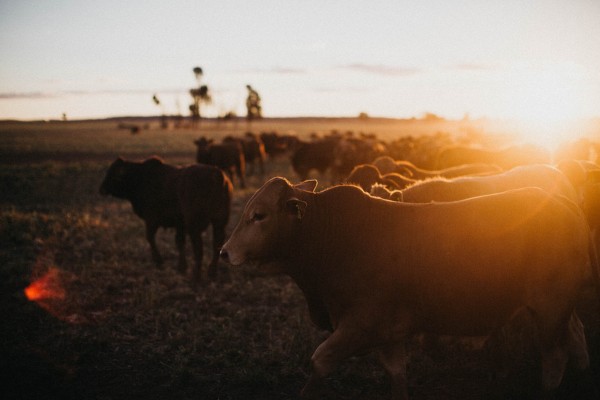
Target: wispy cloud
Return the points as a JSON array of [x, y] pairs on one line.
[[63, 93], [379, 69], [25, 95]]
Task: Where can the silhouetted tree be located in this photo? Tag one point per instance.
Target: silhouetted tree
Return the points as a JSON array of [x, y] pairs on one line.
[[253, 104], [163, 117], [199, 95]]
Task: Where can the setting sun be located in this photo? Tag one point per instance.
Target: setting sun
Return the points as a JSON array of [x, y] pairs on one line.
[[546, 102]]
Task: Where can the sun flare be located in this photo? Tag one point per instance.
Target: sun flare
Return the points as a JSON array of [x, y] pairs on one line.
[[547, 102]]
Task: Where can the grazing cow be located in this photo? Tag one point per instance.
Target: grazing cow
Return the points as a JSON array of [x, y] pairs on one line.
[[227, 156], [386, 164], [506, 159], [367, 175], [350, 152], [380, 271], [314, 155], [254, 151], [186, 198], [542, 176], [277, 145]]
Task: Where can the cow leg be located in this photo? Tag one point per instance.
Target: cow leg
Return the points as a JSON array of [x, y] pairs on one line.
[[336, 348], [150, 237], [394, 360], [576, 343], [198, 248], [552, 336], [218, 240], [241, 172], [180, 242]]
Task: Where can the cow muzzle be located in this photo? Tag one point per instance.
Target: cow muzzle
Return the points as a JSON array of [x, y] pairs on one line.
[[224, 256]]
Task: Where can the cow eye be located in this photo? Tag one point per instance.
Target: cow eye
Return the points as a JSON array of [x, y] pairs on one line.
[[256, 217]]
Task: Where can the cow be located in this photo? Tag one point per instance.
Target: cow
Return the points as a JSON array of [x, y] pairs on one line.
[[542, 176], [227, 156], [506, 158], [386, 165], [185, 198], [254, 151], [367, 175], [317, 154], [378, 272]]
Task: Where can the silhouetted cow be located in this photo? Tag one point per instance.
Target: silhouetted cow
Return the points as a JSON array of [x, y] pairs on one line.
[[227, 156], [186, 198]]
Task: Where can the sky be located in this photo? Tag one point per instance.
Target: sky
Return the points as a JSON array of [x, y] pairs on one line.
[[528, 59]]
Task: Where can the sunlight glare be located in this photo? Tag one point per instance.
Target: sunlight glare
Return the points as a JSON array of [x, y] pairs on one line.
[[547, 102]]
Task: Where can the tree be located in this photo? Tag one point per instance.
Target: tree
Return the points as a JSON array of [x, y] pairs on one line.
[[163, 117], [199, 95], [253, 104]]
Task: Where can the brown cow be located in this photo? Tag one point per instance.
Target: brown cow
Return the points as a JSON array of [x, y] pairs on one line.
[[367, 175], [505, 158], [381, 271], [439, 189], [227, 156], [186, 198], [386, 164]]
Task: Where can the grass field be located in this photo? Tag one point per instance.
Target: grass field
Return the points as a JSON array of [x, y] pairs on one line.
[[112, 326]]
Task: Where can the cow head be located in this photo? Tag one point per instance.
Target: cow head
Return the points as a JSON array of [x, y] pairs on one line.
[[267, 223], [116, 182]]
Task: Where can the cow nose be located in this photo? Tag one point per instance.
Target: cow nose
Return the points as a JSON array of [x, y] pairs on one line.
[[224, 255]]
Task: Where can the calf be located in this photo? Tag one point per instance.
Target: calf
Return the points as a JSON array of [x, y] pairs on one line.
[[185, 198], [380, 271]]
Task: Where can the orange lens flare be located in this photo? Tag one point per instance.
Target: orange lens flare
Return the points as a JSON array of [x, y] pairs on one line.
[[46, 287]]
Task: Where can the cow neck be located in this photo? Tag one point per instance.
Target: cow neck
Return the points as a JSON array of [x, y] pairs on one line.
[[323, 235], [139, 190]]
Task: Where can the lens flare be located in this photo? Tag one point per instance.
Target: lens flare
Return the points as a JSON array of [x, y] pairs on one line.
[[47, 287]]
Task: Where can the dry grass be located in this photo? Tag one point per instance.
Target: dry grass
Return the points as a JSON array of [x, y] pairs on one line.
[[127, 330]]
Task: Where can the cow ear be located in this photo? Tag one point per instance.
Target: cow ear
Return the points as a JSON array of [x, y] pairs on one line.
[[308, 186], [296, 207]]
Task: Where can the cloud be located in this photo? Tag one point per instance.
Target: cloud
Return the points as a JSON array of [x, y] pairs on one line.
[[25, 95], [99, 92], [379, 69]]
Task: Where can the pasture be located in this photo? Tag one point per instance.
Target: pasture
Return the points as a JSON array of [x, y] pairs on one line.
[[107, 324]]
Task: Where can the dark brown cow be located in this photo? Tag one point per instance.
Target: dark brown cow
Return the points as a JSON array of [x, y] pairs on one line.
[[387, 164], [314, 155], [381, 271], [186, 198], [254, 151], [227, 156], [367, 175], [542, 176], [506, 158]]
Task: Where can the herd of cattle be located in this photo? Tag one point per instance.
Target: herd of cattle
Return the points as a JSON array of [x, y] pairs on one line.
[[419, 235]]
